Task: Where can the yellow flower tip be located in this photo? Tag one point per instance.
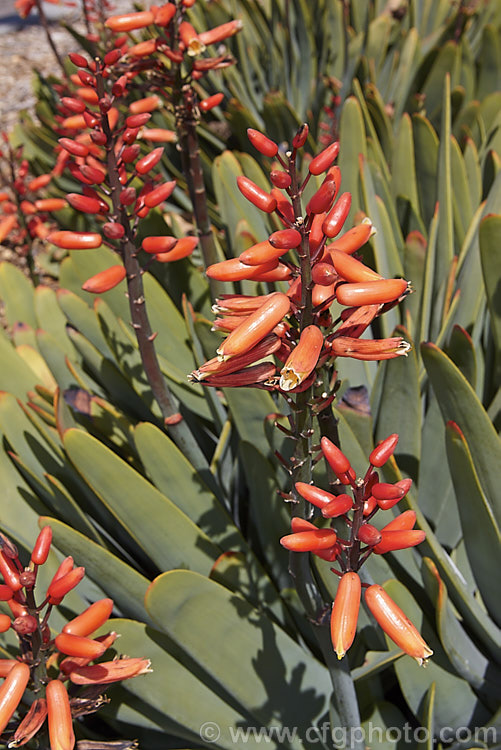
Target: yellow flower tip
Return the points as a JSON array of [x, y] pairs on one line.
[[289, 379], [196, 47], [403, 349]]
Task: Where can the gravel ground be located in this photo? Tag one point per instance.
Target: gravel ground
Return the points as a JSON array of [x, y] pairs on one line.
[[24, 48]]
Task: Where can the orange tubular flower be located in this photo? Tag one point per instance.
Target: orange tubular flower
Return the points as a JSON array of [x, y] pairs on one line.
[[90, 619], [404, 522], [110, 671], [258, 325], [59, 716], [130, 21], [31, 723], [59, 588], [371, 292], [256, 195], [105, 280], [337, 507], [309, 541], [316, 496], [335, 457], [383, 451], [351, 269], [262, 252], [396, 625], [219, 33], [369, 349], [267, 346], [75, 240], [398, 539], [345, 613], [80, 646], [12, 691], [246, 377], [353, 239], [6, 665], [303, 358], [234, 270]]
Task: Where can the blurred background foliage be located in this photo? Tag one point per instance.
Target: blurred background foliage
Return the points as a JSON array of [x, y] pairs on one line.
[[190, 554]]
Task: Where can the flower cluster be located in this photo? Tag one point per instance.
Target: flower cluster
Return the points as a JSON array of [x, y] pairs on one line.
[[369, 495], [118, 187], [47, 663], [26, 214], [173, 53], [297, 326]]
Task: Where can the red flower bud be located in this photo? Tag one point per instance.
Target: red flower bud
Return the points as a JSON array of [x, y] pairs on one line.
[[324, 274], [137, 121], [113, 231], [234, 270], [338, 507], [309, 541], [160, 244], [74, 105], [81, 646], [324, 159], [42, 546], [212, 101], [263, 252], [85, 203], [285, 239], [322, 199], [50, 204], [164, 14], [61, 734], [262, 143], [128, 196], [39, 182], [182, 249], [5, 623], [280, 179], [75, 240], [160, 194], [371, 292], [105, 280], [404, 522], [6, 593], [149, 161], [11, 692], [344, 614], [314, 495], [130, 21], [300, 138], [398, 539], [25, 624], [383, 451], [148, 104], [90, 619], [258, 197], [79, 60], [93, 175], [351, 269], [74, 147], [9, 572], [368, 534], [354, 238], [60, 587], [335, 457]]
